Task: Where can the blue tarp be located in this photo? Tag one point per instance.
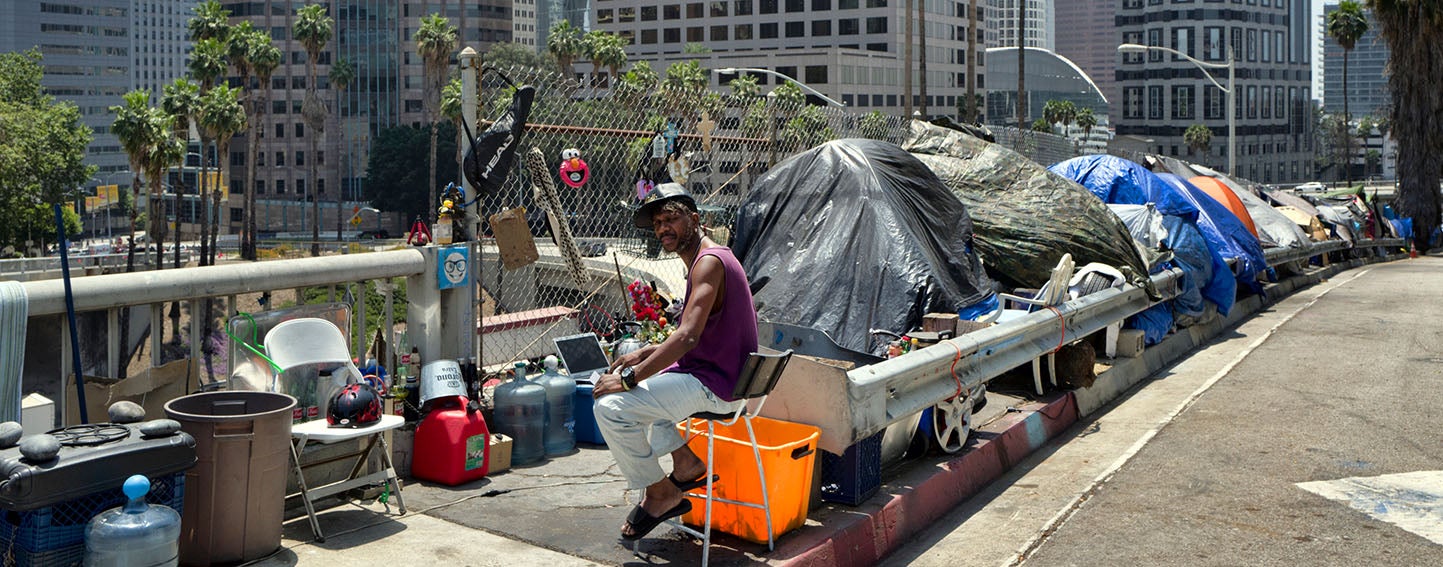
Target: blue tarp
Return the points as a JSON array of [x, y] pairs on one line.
[[1404, 227], [1223, 231], [1122, 182], [1154, 321], [1119, 181]]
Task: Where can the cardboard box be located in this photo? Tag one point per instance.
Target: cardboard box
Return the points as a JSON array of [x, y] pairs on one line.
[[500, 454], [1129, 343], [151, 389]]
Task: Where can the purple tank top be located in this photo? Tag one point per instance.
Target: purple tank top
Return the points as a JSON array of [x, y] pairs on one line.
[[730, 335]]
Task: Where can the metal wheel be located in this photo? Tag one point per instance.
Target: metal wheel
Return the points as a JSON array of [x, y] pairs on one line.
[[952, 421]]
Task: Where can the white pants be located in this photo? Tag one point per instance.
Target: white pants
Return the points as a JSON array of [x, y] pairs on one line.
[[640, 425]]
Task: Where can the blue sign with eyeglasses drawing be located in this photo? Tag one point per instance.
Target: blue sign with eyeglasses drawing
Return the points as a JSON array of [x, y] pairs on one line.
[[455, 267]]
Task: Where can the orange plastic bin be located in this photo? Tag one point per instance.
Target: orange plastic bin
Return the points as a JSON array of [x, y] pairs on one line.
[[788, 453]]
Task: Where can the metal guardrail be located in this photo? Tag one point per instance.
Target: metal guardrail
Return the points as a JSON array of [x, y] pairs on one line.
[[891, 390]]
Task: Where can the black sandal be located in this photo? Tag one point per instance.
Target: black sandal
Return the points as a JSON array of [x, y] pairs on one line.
[[699, 482], [642, 522]]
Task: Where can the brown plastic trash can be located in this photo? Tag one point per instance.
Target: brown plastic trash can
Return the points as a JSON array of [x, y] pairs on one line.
[[235, 495]]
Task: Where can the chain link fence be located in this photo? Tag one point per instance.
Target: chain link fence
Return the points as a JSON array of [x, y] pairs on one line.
[[717, 143]]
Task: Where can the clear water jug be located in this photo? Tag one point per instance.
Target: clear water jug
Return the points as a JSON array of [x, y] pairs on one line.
[[136, 534], [560, 434], [521, 414]]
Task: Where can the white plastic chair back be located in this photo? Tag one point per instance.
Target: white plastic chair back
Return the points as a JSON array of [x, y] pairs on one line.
[[307, 341]]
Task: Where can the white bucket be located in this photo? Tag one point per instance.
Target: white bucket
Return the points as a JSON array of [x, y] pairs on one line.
[[441, 379]]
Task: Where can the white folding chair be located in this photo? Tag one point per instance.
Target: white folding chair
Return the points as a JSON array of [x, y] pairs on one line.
[[1093, 278], [759, 376]]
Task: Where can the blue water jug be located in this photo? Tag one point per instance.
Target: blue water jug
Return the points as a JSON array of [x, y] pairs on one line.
[[560, 435], [521, 414], [136, 534]]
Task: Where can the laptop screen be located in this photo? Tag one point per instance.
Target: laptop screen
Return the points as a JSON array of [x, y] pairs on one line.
[[582, 354]]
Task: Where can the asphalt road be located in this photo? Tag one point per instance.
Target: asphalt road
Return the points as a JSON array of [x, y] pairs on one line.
[[1201, 464]]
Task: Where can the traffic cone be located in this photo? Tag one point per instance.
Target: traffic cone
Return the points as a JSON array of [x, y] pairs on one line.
[[1412, 250]]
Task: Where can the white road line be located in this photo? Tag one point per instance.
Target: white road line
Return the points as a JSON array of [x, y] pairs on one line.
[[1071, 508], [1412, 501]]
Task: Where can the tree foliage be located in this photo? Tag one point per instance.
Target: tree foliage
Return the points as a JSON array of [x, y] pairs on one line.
[[1198, 137], [42, 145], [396, 176], [515, 55]]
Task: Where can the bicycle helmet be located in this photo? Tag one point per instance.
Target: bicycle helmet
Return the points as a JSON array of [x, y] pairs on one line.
[[357, 405]]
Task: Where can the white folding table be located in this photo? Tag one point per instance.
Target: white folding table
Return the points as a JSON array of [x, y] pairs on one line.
[[318, 431]]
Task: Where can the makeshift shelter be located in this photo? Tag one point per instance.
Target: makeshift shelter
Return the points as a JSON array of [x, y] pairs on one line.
[[856, 235], [1225, 197], [1024, 217], [1119, 181], [1224, 232]]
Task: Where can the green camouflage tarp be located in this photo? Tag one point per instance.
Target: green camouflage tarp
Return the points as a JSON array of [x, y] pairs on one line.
[[1024, 216]]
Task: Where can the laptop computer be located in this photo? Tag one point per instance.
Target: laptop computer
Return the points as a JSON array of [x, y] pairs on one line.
[[583, 356]]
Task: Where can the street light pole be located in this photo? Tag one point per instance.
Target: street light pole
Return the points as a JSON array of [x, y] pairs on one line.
[[804, 87], [1231, 90]]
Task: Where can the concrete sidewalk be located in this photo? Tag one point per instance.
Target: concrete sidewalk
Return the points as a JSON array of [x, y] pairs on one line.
[[568, 510]]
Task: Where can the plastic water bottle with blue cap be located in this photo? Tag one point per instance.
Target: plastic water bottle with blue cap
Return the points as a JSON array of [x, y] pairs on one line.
[[134, 534]]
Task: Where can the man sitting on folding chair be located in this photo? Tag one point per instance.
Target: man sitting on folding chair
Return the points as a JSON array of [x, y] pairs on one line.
[[695, 370]]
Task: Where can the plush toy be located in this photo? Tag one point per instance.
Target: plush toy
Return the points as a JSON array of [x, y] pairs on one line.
[[574, 172]]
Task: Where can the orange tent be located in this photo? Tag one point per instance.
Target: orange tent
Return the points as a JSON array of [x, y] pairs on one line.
[[1222, 194]]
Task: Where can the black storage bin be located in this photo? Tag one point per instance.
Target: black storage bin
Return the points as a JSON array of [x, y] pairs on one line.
[[856, 475], [44, 507]]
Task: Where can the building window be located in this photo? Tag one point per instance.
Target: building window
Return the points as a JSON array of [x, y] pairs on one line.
[[742, 7], [796, 29], [280, 159], [604, 17], [1132, 102], [718, 9], [877, 4], [648, 36], [1182, 102], [1267, 102], [769, 6], [671, 35], [821, 28], [695, 10], [1182, 41], [1154, 39], [718, 33], [768, 30], [626, 15], [1267, 54], [280, 130], [816, 74], [849, 26], [1213, 104], [1252, 105], [300, 157], [300, 130], [1132, 37], [850, 5], [1252, 49], [877, 25], [696, 34], [648, 13], [260, 187], [1280, 104], [821, 5], [671, 12], [280, 187], [1213, 43], [1154, 102], [742, 32], [278, 107], [796, 6]]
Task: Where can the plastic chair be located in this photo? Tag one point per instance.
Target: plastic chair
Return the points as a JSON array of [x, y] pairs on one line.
[[310, 340], [759, 376], [1053, 293]]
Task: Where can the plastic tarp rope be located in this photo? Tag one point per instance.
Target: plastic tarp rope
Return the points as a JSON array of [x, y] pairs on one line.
[[14, 314], [1023, 216], [1224, 232], [855, 235], [1119, 181]]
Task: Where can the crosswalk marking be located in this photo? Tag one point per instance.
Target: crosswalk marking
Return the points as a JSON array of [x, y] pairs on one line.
[[1412, 501]]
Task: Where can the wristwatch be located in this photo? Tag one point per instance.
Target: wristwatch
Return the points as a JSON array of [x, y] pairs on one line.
[[628, 377]]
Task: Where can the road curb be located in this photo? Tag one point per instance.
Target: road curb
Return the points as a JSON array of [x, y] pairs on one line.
[[914, 500]]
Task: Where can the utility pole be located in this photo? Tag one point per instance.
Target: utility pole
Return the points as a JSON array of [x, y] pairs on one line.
[[971, 113], [907, 60], [1021, 65], [922, 54]]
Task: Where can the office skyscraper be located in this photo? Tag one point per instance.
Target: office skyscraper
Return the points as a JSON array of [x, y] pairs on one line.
[[1367, 67]]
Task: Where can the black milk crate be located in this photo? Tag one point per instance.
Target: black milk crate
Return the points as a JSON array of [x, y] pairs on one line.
[[856, 475], [55, 534]]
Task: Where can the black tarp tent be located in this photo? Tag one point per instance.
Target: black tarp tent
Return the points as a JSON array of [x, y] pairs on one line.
[[855, 235]]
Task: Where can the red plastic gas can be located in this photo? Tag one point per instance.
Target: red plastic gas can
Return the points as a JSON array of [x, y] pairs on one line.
[[451, 444]]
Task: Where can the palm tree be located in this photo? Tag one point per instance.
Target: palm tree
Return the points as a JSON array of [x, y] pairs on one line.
[[243, 41], [1345, 26], [264, 59], [564, 43], [1198, 138], [182, 103], [435, 40], [221, 116], [1087, 121], [1059, 112], [341, 75], [207, 64], [135, 127], [593, 46], [613, 55], [167, 152], [211, 21], [1414, 30], [313, 29], [451, 108], [744, 87]]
